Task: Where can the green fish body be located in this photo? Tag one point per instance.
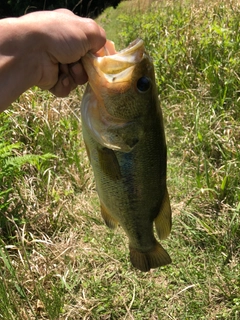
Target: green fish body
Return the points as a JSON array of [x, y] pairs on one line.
[[124, 136]]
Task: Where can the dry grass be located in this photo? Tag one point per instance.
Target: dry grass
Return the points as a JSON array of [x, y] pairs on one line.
[[57, 258]]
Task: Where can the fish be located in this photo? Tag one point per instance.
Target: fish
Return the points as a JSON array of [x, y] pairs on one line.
[[123, 131]]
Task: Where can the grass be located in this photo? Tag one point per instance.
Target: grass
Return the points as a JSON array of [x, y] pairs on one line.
[[57, 258]]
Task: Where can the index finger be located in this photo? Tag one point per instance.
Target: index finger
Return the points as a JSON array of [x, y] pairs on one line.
[[95, 34]]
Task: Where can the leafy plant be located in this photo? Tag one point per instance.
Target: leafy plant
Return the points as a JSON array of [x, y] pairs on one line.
[[61, 262], [11, 175]]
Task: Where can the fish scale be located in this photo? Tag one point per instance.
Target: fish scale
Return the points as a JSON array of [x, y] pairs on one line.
[[125, 141]]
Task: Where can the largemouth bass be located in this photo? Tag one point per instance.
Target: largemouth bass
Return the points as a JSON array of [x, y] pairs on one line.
[[124, 136]]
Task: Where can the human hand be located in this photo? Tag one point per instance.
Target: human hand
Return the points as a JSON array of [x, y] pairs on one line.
[[44, 49], [63, 38]]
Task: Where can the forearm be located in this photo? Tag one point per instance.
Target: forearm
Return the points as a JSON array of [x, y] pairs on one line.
[[18, 68]]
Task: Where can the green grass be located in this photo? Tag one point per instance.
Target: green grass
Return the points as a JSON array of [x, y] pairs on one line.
[[57, 258]]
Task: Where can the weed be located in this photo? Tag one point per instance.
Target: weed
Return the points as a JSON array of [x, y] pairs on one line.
[[57, 258]]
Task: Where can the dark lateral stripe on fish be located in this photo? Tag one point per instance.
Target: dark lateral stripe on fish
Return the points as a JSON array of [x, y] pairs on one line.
[[124, 132]]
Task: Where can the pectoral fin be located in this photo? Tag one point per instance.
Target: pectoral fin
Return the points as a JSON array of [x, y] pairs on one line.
[[109, 163], [109, 220], [154, 258], [163, 222]]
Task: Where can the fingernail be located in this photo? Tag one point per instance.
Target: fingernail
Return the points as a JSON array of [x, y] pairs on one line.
[[76, 69], [65, 81]]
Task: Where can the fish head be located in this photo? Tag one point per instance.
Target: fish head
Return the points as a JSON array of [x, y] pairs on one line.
[[123, 82]]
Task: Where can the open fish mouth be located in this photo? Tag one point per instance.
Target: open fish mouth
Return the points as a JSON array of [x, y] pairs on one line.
[[114, 66], [123, 130]]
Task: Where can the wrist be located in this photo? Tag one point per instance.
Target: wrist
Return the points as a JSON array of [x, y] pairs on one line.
[[18, 59], [27, 49]]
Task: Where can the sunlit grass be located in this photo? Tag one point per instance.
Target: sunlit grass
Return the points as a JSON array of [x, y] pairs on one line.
[[57, 258]]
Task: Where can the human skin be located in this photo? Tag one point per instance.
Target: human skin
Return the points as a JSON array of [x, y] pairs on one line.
[[44, 49]]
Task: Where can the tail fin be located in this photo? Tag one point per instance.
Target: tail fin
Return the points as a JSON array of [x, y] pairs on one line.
[[154, 258]]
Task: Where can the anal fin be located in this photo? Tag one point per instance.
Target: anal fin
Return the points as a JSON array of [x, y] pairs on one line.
[[163, 221], [109, 220], [154, 258]]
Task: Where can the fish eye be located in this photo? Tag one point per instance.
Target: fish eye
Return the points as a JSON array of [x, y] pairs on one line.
[[143, 84]]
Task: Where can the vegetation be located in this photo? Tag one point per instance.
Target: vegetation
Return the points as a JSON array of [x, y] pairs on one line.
[[57, 258], [86, 8]]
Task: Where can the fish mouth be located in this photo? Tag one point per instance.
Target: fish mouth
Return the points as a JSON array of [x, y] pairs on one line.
[[113, 66]]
